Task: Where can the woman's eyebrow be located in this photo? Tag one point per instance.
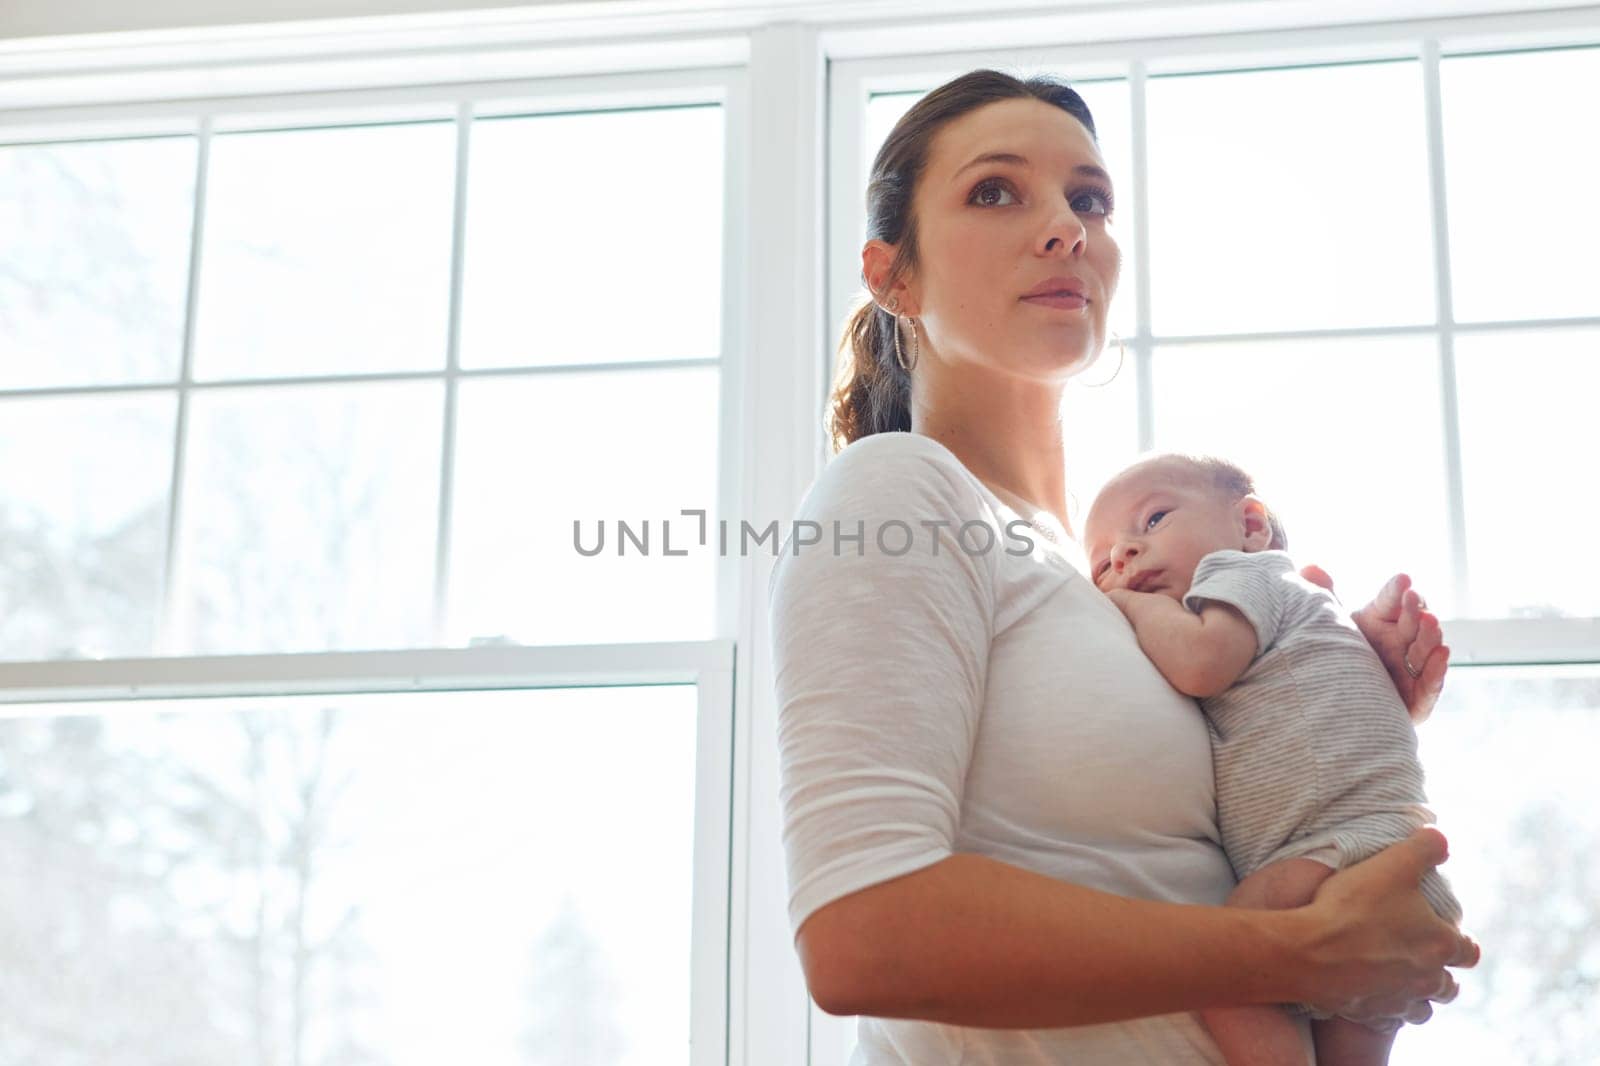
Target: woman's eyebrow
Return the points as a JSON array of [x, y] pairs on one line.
[[1013, 159]]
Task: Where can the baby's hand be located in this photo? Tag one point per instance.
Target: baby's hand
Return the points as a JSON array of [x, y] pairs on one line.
[[1123, 598]]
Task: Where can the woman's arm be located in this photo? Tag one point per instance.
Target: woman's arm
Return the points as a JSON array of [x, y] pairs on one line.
[[972, 941]]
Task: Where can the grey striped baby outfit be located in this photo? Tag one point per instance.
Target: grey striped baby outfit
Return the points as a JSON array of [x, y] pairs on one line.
[[1311, 745]]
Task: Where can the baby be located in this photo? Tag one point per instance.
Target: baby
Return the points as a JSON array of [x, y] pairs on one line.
[[1315, 755]]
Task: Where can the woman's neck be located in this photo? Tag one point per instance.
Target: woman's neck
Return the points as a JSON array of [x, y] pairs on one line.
[[1009, 437]]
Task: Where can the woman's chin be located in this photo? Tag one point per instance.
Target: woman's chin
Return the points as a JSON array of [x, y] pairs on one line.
[[1072, 365]]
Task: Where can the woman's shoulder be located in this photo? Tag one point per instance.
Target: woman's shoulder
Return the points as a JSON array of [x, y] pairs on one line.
[[892, 504], [901, 466]]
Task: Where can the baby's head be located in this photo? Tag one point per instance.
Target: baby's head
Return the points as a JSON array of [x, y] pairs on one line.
[[1151, 524]]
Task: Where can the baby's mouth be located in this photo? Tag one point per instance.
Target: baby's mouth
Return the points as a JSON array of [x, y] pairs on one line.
[[1144, 580]]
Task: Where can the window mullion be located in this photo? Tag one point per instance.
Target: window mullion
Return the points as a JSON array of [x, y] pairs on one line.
[[172, 636], [1455, 494], [441, 581], [1144, 355]]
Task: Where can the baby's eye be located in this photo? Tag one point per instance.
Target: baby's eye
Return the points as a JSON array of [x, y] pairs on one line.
[[1155, 517]]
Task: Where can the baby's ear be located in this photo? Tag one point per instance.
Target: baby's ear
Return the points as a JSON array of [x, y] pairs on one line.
[[1257, 524]]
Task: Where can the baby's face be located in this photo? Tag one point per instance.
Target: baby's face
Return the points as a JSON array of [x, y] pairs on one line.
[[1150, 527]]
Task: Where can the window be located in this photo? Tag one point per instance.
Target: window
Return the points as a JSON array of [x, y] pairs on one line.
[[304, 402], [1506, 774], [429, 492], [1299, 217], [1366, 284], [397, 878]]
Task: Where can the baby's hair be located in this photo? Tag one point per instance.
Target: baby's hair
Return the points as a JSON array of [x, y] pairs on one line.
[[1231, 480]]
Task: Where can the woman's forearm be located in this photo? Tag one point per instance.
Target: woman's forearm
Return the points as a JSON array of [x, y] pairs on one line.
[[976, 942]]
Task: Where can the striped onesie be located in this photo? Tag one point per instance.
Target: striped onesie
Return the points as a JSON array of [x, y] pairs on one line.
[[1312, 747]]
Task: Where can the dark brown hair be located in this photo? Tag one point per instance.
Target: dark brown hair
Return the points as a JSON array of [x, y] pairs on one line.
[[871, 392]]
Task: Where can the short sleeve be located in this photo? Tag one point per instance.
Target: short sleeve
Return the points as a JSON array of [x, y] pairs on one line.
[[1251, 582], [880, 658]]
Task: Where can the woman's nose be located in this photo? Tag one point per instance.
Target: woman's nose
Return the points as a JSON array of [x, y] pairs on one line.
[[1065, 233]]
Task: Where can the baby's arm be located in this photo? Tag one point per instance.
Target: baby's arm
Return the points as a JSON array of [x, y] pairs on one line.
[[1199, 654]]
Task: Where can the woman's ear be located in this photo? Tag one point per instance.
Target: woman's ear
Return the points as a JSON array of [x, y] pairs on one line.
[[1257, 524], [877, 258]]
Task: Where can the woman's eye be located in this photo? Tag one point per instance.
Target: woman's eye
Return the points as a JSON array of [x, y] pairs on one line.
[[982, 194], [1156, 517], [1093, 201]]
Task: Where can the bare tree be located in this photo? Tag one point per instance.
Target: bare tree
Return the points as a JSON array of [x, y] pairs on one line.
[[69, 594], [572, 1000], [1541, 968], [74, 255]]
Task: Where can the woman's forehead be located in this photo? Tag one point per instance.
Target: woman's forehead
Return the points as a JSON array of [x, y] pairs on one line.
[[1042, 133]]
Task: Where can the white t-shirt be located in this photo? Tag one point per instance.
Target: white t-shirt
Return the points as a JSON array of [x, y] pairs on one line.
[[984, 702]]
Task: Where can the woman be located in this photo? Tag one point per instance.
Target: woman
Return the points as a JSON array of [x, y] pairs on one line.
[[999, 819]]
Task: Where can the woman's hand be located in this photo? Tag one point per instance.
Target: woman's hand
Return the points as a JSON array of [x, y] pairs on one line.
[[1406, 637], [1381, 952]]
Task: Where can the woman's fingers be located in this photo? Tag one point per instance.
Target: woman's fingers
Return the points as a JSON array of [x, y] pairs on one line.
[[1387, 604], [1416, 854], [1429, 684], [1420, 1012], [1426, 656], [1399, 933], [1409, 624], [1408, 639]]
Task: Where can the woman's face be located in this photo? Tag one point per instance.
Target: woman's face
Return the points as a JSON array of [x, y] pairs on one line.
[[991, 230]]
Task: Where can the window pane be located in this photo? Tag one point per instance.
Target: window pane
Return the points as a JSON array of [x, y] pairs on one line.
[[1521, 180], [496, 878], [1510, 761], [83, 524], [1100, 426], [1344, 441], [537, 454], [1289, 199], [1528, 447], [594, 238], [1111, 107], [94, 261], [883, 111], [310, 516], [326, 251]]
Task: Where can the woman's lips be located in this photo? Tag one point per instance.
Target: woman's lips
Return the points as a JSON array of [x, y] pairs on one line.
[[1066, 301]]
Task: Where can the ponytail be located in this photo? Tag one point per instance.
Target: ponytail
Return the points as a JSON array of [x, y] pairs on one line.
[[871, 393]]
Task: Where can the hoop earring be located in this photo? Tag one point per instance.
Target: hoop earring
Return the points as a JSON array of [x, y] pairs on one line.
[[916, 350], [916, 344], [1122, 354]]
